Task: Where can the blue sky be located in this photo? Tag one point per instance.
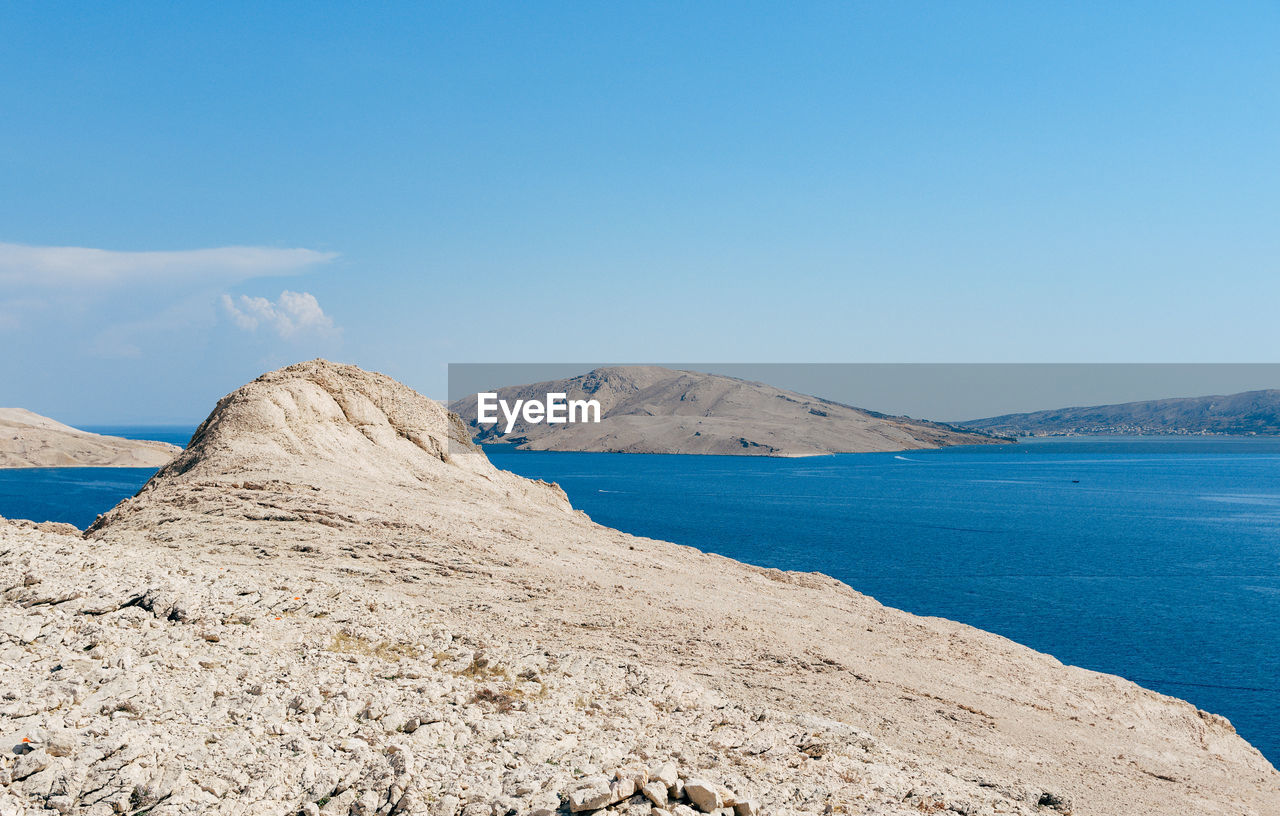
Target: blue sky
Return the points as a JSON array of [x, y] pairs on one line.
[[406, 186]]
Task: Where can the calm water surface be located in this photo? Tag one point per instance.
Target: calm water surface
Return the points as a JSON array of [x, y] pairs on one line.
[[1156, 559], [79, 495]]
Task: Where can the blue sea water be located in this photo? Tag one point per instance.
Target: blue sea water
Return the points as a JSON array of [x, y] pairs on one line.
[[74, 495], [1157, 559], [78, 495]]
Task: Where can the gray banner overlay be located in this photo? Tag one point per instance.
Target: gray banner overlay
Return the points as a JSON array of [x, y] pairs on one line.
[[941, 392]]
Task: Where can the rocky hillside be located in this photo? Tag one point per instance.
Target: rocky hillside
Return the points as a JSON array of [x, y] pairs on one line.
[[332, 603], [1250, 412], [648, 409], [30, 440]]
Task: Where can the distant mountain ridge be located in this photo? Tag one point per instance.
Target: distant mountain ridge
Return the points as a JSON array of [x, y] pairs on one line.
[[1246, 413], [650, 409]]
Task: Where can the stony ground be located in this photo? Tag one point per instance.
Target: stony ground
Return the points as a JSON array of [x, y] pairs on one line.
[[244, 690], [319, 608]]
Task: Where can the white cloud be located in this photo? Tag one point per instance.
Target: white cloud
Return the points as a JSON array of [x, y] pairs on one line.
[[137, 304], [47, 266], [293, 313]]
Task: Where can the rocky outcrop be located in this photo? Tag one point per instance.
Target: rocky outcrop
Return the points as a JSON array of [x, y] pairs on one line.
[[649, 409], [324, 608], [319, 447], [31, 440]]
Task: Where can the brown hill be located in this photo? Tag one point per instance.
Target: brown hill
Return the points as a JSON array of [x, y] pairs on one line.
[[649, 409]]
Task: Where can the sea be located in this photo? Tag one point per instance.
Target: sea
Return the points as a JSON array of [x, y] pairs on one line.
[[1154, 558]]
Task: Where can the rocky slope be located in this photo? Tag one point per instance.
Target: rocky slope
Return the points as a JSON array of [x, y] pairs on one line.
[[649, 409], [30, 440], [332, 603], [1250, 412]]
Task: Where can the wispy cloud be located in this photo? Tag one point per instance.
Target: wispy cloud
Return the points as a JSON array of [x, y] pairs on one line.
[[14, 312], [50, 266], [111, 304], [292, 314], [165, 324]]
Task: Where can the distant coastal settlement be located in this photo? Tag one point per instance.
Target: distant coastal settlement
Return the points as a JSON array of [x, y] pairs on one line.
[[1129, 430], [1249, 413]]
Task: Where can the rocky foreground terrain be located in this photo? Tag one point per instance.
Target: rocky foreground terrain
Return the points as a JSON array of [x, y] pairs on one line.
[[650, 409], [331, 603], [30, 440]]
